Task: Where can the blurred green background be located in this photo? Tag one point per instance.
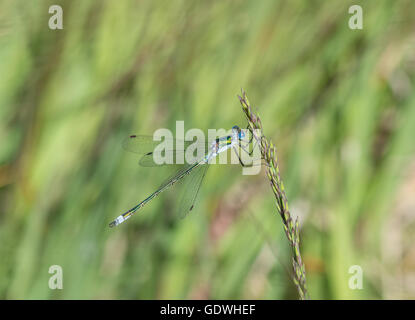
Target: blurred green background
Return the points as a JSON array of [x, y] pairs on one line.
[[338, 103]]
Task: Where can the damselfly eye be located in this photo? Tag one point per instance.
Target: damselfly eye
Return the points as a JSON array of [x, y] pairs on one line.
[[239, 132]]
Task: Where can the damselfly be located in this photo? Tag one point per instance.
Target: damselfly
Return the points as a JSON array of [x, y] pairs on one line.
[[197, 170]]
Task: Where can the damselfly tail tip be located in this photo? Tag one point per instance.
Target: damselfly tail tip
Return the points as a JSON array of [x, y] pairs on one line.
[[117, 221]]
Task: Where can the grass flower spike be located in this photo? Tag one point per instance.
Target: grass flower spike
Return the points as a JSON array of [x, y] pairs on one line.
[[268, 153]]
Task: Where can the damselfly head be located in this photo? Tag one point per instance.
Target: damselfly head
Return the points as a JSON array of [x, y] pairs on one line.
[[238, 132]]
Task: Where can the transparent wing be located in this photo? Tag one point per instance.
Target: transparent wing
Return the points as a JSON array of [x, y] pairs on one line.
[[172, 152], [153, 160], [181, 173], [139, 144], [191, 190], [144, 144]]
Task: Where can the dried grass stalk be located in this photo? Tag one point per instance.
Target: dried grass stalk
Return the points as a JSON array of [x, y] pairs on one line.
[[269, 155]]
